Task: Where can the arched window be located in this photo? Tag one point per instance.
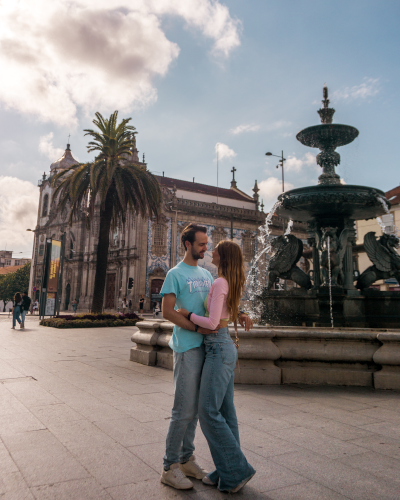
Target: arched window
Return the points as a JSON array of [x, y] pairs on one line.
[[45, 208], [71, 250]]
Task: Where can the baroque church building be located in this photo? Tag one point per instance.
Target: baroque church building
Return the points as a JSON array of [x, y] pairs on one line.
[[143, 250]]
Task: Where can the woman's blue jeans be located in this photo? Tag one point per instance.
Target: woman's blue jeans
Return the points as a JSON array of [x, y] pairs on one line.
[[217, 412], [16, 313]]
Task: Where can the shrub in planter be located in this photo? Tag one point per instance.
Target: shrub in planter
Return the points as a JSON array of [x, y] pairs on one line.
[[93, 322]]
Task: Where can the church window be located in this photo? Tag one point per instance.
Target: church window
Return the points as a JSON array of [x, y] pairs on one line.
[[45, 205], [159, 235], [41, 250], [71, 250], [218, 235], [248, 247], [159, 246]]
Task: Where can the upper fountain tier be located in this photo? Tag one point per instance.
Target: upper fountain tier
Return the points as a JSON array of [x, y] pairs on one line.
[[331, 202], [327, 137]]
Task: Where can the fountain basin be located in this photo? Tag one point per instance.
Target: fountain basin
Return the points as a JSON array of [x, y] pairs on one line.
[[299, 355], [327, 136], [330, 203]]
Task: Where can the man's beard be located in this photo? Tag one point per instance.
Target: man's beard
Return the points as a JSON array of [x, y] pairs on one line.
[[195, 255]]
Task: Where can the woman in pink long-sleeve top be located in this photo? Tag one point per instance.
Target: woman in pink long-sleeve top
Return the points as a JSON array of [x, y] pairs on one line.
[[217, 412]]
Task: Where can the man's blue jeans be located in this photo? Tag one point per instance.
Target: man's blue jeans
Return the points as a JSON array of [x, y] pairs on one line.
[[16, 313], [217, 412], [188, 366], [23, 314]]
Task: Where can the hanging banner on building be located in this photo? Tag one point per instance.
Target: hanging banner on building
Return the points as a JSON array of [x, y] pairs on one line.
[[55, 255]]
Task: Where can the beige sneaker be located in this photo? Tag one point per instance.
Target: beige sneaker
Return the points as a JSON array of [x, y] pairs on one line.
[[207, 480], [176, 478], [192, 469], [240, 486]]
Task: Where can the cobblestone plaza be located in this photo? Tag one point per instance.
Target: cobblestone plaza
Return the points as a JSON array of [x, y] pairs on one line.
[[78, 420]]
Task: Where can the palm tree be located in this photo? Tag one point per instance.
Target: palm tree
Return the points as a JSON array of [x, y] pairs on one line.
[[111, 181]]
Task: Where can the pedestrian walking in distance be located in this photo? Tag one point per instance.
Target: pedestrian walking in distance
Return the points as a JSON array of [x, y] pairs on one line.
[[26, 304], [74, 305], [141, 304], [16, 310]]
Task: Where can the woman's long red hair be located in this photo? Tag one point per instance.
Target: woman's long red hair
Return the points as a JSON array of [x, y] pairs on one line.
[[231, 267]]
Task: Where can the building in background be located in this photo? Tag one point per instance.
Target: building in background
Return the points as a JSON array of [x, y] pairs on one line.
[[391, 225], [7, 259], [143, 250]]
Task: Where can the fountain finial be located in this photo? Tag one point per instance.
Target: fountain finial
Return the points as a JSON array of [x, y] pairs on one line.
[[326, 113]]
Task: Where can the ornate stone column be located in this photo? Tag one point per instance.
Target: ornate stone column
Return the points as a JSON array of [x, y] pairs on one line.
[[312, 241], [348, 256]]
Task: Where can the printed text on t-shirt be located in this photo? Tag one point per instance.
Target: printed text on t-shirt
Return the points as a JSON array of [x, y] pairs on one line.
[[198, 285]]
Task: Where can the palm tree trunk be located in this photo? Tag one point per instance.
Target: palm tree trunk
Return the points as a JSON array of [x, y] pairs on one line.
[[102, 255]]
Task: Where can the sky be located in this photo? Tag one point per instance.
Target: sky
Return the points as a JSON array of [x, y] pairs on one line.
[[240, 76]]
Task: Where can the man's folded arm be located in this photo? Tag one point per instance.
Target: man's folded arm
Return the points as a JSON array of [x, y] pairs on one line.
[[169, 313]]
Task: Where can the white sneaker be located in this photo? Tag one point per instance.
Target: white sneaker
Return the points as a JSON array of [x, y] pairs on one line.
[[176, 478], [192, 469], [240, 485], [206, 480]]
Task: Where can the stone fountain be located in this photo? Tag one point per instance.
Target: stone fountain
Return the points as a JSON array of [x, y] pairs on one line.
[[330, 210], [363, 347]]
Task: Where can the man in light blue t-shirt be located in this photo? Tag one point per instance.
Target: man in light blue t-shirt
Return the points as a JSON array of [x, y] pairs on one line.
[[186, 286]]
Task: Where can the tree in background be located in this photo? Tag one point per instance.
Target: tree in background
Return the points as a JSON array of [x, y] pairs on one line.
[[11, 283], [112, 182]]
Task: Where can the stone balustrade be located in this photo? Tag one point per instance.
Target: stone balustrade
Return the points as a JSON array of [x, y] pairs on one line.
[[290, 355]]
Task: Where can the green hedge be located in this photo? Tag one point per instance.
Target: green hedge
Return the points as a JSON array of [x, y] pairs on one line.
[[87, 323]]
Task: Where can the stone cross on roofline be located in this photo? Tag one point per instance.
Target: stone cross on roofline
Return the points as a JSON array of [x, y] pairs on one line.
[[233, 182]]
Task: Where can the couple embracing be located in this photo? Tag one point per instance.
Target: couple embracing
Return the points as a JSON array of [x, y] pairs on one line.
[[204, 362]]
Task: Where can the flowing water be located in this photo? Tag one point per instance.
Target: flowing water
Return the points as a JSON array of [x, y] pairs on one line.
[[257, 276], [330, 280], [289, 228], [379, 220]]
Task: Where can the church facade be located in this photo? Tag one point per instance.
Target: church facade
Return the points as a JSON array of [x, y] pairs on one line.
[[143, 250]]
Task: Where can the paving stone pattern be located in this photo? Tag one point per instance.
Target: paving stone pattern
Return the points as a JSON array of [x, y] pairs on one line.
[[79, 421]]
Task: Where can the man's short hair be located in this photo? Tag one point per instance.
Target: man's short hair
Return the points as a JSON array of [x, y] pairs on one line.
[[25, 293], [189, 233]]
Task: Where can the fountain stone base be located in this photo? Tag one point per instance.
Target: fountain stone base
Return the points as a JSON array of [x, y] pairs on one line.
[[293, 355], [351, 308]]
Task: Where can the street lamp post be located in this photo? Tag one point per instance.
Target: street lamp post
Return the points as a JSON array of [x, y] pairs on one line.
[[282, 159]]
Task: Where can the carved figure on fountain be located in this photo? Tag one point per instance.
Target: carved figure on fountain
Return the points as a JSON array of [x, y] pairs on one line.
[[288, 251], [334, 254], [383, 255]]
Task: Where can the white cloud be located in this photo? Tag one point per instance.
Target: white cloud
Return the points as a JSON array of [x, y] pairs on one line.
[[270, 189], [368, 88], [277, 125], [46, 147], [294, 164], [224, 151], [244, 128], [18, 211], [57, 56]]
